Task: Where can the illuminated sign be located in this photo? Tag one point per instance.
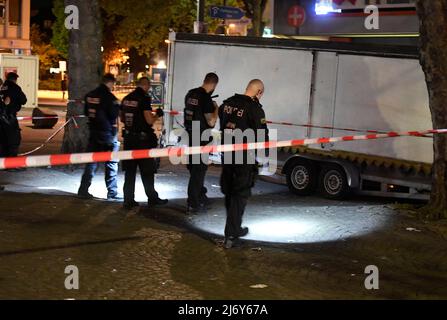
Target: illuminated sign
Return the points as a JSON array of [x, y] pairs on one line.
[[361, 4], [157, 93]]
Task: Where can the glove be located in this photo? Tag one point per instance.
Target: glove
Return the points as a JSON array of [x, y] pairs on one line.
[[160, 113]]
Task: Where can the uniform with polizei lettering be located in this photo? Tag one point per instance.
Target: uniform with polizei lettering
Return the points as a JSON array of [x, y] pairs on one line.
[[102, 110], [198, 103], [138, 135], [240, 113]]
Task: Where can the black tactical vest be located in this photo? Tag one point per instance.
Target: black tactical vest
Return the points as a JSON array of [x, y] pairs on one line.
[[133, 107], [194, 111]]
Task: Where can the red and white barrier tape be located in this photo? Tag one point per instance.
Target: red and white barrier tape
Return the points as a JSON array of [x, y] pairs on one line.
[[36, 118], [67, 159]]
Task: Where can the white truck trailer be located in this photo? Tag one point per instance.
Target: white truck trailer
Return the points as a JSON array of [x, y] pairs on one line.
[[339, 85], [28, 69]]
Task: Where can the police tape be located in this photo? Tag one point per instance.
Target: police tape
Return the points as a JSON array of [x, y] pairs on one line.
[[314, 126], [83, 158], [36, 118], [45, 118], [50, 138], [178, 113], [80, 101]]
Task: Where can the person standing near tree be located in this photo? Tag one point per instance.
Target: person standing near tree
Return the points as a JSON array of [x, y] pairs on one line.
[[64, 86], [102, 109]]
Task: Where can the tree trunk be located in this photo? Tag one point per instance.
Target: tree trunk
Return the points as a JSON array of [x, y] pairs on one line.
[[255, 11], [257, 18], [433, 29], [84, 70]]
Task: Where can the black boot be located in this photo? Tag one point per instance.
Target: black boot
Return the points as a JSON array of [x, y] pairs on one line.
[[158, 202], [130, 205]]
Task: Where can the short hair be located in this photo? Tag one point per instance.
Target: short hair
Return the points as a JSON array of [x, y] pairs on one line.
[[211, 78], [142, 80], [108, 77], [12, 76], [255, 83]]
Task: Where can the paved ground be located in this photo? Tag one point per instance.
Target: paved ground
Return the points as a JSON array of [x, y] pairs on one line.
[[312, 248], [300, 248]]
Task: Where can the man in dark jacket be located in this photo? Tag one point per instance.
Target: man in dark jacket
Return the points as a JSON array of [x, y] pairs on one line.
[[201, 114], [138, 134], [102, 110], [12, 100], [240, 115]]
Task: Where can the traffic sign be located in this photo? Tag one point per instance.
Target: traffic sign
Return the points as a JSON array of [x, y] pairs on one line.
[[226, 13], [296, 16], [157, 93]]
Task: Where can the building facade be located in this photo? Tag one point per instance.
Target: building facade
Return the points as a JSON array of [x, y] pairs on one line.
[[15, 26], [398, 20]]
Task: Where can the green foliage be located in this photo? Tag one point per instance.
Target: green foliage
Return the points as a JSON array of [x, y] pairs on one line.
[[255, 10], [60, 33], [48, 55], [144, 25]]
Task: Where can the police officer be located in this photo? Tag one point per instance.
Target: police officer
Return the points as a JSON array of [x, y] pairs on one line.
[[138, 119], [102, 109], [240, 113], [13, 99], [3, 120], [200, 113]]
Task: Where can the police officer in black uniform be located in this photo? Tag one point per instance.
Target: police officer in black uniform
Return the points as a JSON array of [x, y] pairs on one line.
[[200, 113], [240, 169], [3, 121], [13, 99], [2, 135], [102, 109], [138, 119]]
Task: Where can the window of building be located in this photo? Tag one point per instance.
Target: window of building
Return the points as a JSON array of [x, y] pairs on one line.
[[2, 10], [15, 12]]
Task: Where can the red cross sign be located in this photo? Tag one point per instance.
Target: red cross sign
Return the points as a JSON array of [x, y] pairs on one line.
[[296, 16]]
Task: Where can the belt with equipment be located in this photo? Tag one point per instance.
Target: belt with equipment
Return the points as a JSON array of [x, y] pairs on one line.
[[137, 135]]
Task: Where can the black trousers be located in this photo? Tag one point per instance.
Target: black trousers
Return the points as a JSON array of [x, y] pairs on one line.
[[147, 172], [237, 182], [10, 136], [196, 187], [147, 168]]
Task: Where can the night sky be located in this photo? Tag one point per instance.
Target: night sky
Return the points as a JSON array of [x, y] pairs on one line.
[[36, 4]]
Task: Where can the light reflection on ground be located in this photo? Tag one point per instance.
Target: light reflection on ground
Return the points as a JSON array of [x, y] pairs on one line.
[[273, 214]]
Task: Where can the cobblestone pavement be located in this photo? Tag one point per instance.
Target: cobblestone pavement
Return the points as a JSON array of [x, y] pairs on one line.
[[301, 248]]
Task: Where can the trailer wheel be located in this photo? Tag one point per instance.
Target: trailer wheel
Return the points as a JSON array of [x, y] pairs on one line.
[[302, 178], [333, 183]]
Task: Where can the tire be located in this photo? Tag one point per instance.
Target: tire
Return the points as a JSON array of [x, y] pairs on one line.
[[333, 183], [302, 178]]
